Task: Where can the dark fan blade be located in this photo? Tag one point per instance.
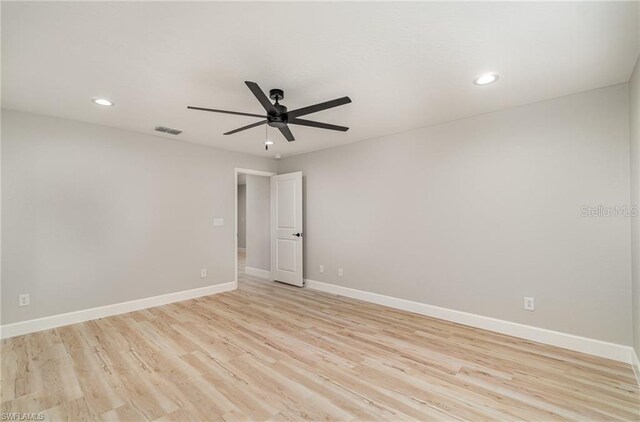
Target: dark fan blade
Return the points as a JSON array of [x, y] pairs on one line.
[[261, 96], [287, 133], [225, 111], [320, 125], [246, 127], [319, 107]]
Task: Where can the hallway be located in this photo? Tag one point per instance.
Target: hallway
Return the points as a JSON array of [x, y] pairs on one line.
[[242, 262]]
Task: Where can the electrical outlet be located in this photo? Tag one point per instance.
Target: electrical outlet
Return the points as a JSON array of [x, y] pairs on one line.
[[340, 272], [529, 304], [24, 300], [321, 268], [203, 273]]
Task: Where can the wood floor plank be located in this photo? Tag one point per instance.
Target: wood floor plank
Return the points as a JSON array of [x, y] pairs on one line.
[[269, 351]]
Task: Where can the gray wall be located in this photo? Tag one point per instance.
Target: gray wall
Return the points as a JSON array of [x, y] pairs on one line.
[[94, 215], [258, 222], [242, 216], [634, 137], [475, 214], [470, 215]]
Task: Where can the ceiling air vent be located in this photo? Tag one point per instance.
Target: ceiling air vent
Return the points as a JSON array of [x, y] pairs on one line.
[[168, 130]]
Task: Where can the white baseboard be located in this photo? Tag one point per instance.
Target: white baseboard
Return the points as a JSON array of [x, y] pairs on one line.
[[635, 364], [257, 272], [46, 323], [568, 341]]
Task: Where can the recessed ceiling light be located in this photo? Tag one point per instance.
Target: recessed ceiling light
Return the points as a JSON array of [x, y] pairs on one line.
[[485, 79], [102, 101]]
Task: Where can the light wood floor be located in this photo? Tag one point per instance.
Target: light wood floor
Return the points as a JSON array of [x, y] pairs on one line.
[[272, 352]]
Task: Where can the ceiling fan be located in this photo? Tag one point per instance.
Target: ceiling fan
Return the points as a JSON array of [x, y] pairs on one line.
[[277, 115]]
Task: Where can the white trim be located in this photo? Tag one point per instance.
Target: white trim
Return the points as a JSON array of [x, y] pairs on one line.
[[242, 249], [46, 323], [257, 272], [600, 348], [635, 364], [254, 172], [237, 171]]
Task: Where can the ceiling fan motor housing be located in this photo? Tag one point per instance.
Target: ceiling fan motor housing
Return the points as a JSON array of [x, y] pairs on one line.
[[280, 118]]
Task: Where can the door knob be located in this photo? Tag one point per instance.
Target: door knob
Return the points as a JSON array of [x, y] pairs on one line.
[[297, 234]]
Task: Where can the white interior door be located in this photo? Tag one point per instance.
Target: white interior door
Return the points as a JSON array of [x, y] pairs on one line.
[[286, 228]]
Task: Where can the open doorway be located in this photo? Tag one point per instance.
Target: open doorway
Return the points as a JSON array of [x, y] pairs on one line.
[[253, 230]]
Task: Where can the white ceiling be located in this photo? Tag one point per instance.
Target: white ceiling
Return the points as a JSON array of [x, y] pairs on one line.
[[404, 65]]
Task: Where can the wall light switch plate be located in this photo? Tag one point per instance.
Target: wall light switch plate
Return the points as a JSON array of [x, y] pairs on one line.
[[24, 300], [218, 222], [529, 304], [203, 273], [321, 268]]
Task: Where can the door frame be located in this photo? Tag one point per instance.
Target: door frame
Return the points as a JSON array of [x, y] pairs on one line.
[[237, 171]]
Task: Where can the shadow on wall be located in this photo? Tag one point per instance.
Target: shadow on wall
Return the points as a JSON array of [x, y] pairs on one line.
[[242, 216], [258, 215]]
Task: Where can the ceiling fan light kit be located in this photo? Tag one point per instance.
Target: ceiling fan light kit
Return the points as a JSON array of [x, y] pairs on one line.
[[278, 116]]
